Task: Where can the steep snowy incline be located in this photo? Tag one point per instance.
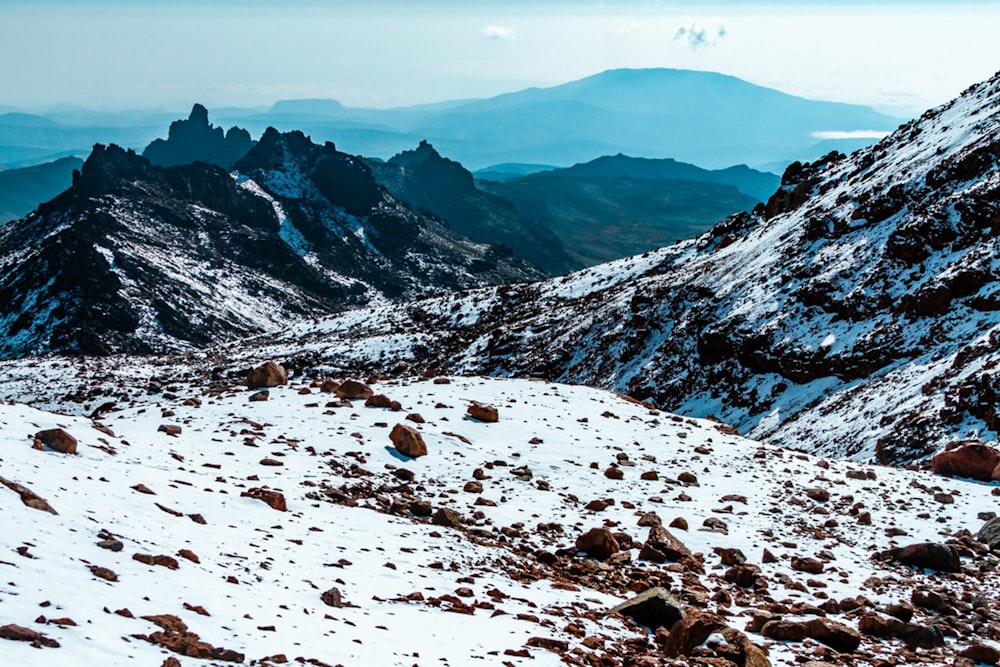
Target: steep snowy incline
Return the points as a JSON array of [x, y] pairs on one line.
[[854, 315], [170, 536]]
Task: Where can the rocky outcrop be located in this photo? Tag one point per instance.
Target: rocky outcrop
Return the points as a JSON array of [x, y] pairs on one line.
[[196, 140], [968, 459]]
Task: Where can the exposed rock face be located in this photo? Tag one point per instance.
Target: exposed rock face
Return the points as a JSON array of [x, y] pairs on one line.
[[967, 459], [653, 608], [408, 441], [268, 374], [58, 440], [139, 258], [196, 140], [829, 298]]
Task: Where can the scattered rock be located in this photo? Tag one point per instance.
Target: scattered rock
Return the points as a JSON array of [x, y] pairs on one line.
[[19, 633], [259, 396], [483, 413], [275, 499], [661, 545], [967, 458], [268, 374], [58, 440], [332, 598], [352, 389], [653, 608], [836, 635], [447, 517], [930, 555], [408, 441], [598, 543], [28, 497]]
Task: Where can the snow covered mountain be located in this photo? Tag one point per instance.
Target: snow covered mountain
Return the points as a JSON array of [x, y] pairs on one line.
[[855, 315], [137, 258], [193, 521]]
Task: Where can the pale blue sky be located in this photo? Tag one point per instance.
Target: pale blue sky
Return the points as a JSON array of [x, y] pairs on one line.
[[223, 52]]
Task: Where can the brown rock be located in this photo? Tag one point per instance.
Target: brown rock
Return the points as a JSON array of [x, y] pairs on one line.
[[598, 543], [875, 625], [837, 636], [653, 608], [259, 396], [332, 598], [941, 557], [28, 497], [329, 385], [473, 487], [784, 631], [981, 654], [170, 429], [383, 401], [103, 573], [661, 545], [163, 561], [483, 413], [614, 473], [691, 632], [969, 458], [268, 374], [19, 633], [58, 440], [808, 565], [187, 554], [554, 645], [352, 389], [408, 441], [275, 499], [447, 517]]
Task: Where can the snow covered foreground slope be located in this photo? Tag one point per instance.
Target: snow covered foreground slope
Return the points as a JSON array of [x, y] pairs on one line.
[[504, 583], [856, 315]]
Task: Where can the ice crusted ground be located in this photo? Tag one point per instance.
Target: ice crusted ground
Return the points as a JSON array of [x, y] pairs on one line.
[[256, 588]]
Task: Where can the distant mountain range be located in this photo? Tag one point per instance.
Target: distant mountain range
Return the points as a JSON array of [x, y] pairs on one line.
[[617, 206], [139, 258], [704, 118], [22, 190]]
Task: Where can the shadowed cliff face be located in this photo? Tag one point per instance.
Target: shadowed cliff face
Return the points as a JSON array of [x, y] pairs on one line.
[[139, 258], [446, 189], [196, 140]]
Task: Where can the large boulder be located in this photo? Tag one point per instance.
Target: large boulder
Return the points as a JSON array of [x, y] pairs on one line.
[[692, 631], [929, 555], [408, 441], [598, 543], [967, 458], [653, 608], [989, 534], [661, 545], [836, 635], [352, 389], [483, 413], [269, 374], [57, 439]]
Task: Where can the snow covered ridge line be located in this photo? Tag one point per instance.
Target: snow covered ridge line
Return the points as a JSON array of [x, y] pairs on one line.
[[285, 522], [853, 316]]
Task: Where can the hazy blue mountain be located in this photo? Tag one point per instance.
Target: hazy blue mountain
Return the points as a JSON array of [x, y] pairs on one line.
[[425, 179], [22, 190], [758, 184], [509, 170], [196, 140], [601, 217]]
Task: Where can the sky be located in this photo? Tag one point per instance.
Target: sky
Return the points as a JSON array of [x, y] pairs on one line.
[[900, 57]]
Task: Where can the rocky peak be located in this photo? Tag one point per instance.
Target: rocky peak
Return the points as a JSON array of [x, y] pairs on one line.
[[107, 166], [196, 140]]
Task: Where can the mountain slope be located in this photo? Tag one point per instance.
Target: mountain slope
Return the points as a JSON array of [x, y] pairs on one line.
[[855, 315], [22, 190], [198, 525], [445, 188], [618, 206], [140, 258]]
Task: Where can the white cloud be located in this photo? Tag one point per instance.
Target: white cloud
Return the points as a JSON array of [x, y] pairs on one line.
[[697, 35], [498, 32]]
